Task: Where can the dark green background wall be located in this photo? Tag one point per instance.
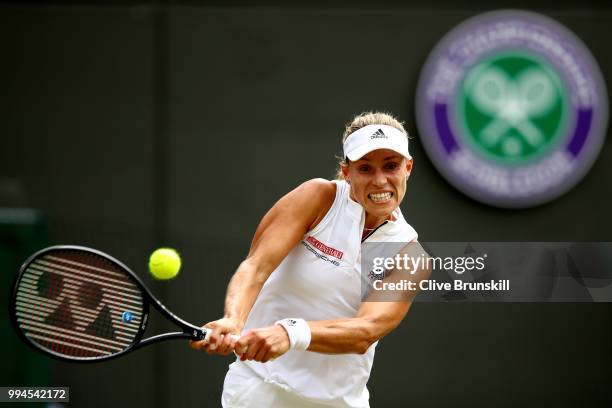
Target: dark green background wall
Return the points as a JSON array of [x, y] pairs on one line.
[[133, 126]]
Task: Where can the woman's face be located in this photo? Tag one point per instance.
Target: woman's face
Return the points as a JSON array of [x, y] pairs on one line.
[[378, 181]]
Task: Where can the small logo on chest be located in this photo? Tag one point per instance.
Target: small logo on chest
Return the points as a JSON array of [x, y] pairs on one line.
[[324, 248]]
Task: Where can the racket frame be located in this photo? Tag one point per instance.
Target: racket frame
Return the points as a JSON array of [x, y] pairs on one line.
[[190, 331]]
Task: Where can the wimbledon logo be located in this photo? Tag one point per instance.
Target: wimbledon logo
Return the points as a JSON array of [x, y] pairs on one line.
[[511, 108]]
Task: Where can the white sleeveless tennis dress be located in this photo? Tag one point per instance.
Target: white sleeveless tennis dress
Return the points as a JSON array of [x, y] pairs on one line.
[[318, 280]]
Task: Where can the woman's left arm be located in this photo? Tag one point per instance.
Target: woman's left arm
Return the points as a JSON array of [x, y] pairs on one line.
[[355, 335], [380, 313], [338, 336]]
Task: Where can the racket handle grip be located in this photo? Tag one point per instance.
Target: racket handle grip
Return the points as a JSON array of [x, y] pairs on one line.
[[207, 332]]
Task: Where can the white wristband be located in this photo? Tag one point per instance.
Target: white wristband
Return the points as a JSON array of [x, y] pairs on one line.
[[298, 331]]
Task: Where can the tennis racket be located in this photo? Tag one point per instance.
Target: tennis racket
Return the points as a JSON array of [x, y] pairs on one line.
[[79, 304]]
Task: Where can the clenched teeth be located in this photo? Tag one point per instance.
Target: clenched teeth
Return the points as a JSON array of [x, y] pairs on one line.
[[380, 197]]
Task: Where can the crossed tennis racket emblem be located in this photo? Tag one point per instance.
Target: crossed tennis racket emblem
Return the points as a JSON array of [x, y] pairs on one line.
[[513, 103]]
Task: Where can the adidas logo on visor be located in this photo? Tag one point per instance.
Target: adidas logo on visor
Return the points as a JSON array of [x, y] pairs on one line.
[[379, 134]]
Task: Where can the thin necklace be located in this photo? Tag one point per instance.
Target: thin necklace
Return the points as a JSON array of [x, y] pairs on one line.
[[372, 229]]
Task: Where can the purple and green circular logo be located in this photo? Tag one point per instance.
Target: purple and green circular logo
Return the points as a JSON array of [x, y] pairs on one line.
[[512, 108]]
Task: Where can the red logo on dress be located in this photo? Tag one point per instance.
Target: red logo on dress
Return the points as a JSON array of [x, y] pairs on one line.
[[324, 248]]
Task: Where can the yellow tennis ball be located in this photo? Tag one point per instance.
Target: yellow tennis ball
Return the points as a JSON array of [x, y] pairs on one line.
[[164, 263]]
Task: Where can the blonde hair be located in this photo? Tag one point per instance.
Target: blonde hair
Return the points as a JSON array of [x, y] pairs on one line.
[[362, 120]]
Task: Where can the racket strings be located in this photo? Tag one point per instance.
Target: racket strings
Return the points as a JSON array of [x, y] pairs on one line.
[[78, 304]]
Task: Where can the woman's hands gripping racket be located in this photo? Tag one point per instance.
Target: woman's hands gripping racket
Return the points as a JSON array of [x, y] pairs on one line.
[[79, 304]]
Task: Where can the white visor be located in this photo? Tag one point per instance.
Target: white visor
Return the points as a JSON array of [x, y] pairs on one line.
[[374, 137]]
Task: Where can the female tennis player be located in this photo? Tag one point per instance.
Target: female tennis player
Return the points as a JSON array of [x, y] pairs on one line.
[[307, 338]]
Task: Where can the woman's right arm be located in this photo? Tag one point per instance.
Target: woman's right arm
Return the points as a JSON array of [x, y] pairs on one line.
[[278, 232]]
